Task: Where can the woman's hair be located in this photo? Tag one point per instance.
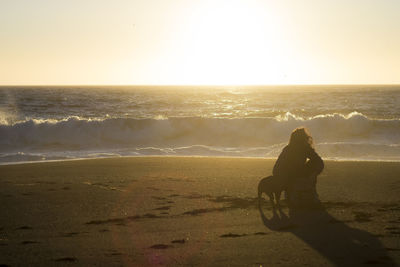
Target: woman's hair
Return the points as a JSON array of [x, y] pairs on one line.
[[301, 138]]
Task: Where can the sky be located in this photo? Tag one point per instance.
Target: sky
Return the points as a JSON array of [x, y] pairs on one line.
[[232, 42]]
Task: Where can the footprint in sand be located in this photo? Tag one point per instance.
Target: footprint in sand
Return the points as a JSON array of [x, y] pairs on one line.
[[232, 235], [160, 246], [178, 241], [260, 233], [150, 216]]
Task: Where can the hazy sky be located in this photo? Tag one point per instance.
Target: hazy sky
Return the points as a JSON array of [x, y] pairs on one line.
[[199, 41]]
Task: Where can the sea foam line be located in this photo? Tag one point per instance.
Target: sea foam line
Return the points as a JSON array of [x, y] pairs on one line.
[[77, 134]]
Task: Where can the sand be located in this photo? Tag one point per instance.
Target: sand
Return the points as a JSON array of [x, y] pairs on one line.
[[193, 212]]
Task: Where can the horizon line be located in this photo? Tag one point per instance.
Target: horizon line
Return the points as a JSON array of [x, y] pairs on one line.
[[206, 85]]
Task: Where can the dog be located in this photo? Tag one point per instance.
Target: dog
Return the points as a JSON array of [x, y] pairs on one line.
[[272, 186]]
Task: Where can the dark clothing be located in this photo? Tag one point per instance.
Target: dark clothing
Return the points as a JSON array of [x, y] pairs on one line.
[[299, 167], [292, 163]]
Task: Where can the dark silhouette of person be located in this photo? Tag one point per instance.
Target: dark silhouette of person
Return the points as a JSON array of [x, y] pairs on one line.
[[299, 165], [340, 244]]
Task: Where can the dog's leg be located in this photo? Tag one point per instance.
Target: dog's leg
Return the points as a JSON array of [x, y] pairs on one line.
[[259, 197], [271, 199], [278, 198]]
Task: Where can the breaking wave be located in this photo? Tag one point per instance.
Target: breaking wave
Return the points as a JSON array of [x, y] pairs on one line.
[[349, 136]]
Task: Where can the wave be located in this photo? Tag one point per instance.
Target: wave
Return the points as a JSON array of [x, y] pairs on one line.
[[328, 151], [346, 136]]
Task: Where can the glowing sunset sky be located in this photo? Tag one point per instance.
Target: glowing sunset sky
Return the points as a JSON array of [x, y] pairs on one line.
[[199, 41]]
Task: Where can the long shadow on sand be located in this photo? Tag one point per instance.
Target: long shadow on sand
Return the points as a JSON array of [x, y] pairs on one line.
[[339, 243]]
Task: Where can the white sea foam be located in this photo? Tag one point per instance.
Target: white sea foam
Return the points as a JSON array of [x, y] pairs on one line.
[[350, 136], [47, 123]]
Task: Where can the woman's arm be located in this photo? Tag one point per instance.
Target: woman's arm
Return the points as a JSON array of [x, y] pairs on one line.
[[315, 165]]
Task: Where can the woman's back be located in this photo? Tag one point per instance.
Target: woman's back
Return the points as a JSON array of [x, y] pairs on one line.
[[290, 162], [298, 165], [293, 158]]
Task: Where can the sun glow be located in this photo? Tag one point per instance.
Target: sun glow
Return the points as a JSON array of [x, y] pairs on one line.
[[208, 42], [234, 42]]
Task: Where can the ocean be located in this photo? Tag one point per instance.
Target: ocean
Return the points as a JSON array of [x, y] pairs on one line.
[[347, 122]]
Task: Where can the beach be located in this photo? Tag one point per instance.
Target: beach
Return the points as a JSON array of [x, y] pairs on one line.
[[193, 211], [146, 133]]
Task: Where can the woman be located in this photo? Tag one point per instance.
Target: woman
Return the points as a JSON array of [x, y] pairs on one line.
[[298, 165]]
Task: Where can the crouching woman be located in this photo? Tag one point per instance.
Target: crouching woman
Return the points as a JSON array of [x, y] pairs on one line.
[[299, 165]]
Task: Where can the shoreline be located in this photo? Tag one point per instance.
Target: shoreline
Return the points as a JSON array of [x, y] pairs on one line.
[[187, 156]]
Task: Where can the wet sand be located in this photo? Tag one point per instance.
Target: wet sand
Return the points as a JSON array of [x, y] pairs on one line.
[[193, 212]]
